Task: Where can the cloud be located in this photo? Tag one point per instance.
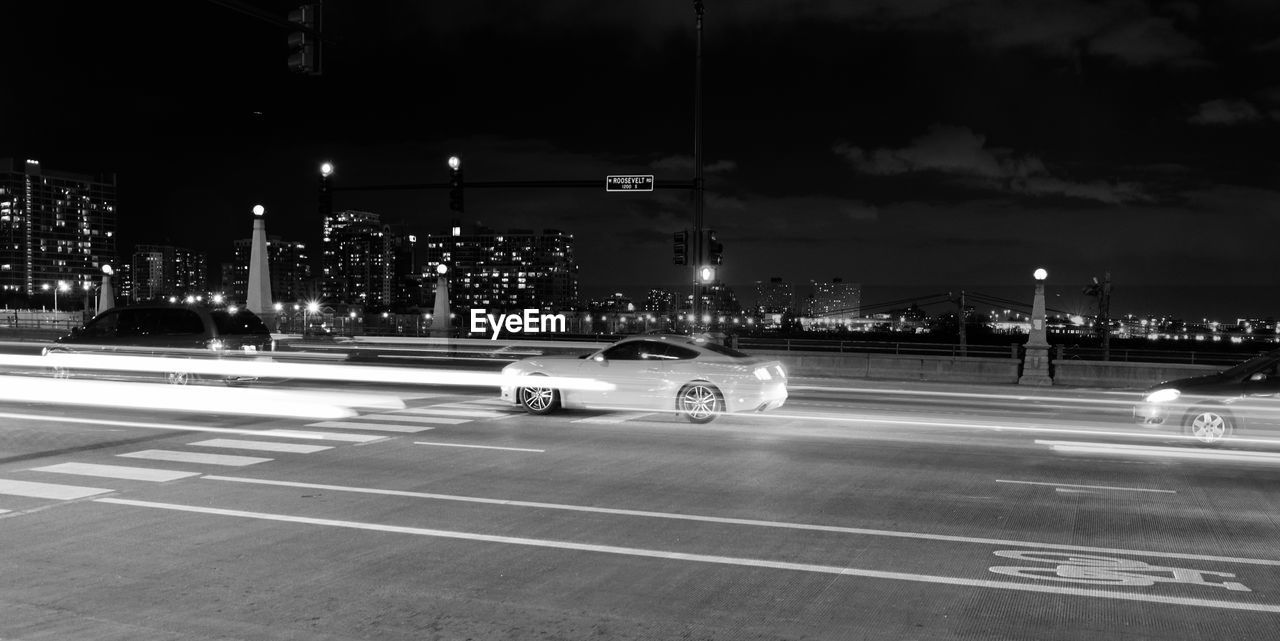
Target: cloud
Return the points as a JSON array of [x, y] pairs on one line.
[[685, 163], [1146, 42], [1223, 112], [960, 153]]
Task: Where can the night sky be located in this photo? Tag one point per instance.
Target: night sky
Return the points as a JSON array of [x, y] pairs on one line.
[[913, 146]]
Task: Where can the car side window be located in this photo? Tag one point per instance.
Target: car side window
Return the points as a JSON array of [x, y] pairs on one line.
[[180, 322], [680, 353], [102, 326], [629, 351], [134, 322]]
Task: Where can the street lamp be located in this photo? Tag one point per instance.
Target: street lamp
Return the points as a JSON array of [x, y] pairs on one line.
[[326, 169]]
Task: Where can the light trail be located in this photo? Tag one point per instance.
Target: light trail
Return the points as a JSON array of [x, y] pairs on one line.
[[265, 367]]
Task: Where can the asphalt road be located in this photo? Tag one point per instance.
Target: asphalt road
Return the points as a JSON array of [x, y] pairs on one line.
[[858, 511]]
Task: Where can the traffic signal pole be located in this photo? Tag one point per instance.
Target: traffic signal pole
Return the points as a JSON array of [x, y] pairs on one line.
[[699, 253]]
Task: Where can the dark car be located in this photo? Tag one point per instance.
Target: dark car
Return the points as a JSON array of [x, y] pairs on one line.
[[1213, 407], [169, 330]]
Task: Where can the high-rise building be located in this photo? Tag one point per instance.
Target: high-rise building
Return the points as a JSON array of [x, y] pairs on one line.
[[661, 302], [836, 299], [286, 261], [518, 269], [54, 226], [332, 286], [774, 296], [160, 271]]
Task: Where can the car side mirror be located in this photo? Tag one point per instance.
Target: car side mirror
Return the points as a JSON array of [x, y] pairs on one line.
[[599, 358]]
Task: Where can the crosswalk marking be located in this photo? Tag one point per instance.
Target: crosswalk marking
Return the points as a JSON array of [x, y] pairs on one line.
[[490, 401], [613, 418], [195, 457], [377, 427], [265, 446], [433, 420], [322, 436], [116, 472], [48, 490], [453, 412]]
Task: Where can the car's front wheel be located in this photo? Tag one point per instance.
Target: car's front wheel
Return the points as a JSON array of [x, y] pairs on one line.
[[539, 400], [1208, 425], [699, 402]]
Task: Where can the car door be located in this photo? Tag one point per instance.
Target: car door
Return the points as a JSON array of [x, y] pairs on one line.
[[1260, 407], [621, 366]]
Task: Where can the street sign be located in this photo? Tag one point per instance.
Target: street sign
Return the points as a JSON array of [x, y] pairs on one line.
[[628, 183]]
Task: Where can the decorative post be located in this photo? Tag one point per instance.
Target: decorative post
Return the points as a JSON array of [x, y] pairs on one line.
[[440, 315], [106, 296], [1035, 363], [259, 287]]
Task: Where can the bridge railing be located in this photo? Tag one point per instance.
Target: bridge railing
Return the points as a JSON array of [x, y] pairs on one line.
[[877, 347]]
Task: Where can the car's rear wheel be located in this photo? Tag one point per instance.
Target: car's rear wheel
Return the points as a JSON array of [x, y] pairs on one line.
[[1209, 425], [181, 378], [699, 402], [539, 400]]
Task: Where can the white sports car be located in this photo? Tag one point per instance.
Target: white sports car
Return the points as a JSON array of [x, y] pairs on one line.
[[689, 375]]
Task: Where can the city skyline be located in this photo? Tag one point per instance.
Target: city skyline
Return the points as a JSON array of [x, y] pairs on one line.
[[907, 146]]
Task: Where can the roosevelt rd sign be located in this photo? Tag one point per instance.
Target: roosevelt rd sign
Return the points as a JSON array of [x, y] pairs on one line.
[[628, 183]]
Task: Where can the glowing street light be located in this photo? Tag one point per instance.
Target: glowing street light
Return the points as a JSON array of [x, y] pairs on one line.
[[259, 210], [326, 169]]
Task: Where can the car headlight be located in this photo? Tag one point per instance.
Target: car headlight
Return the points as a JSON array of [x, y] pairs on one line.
[[762, 373], [1163, 395]]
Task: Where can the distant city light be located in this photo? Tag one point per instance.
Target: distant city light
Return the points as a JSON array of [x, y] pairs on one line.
[[326, 169], [259, 210], [454, 162], [1041, 274], [106, 269]]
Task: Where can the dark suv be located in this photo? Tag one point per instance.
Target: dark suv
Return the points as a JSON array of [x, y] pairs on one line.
[[170, 330]]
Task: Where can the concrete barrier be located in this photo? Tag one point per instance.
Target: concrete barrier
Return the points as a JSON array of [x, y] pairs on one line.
[[896, 367], [1119, 374]]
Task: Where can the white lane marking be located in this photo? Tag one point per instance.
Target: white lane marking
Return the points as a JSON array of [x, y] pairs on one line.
[[48, 490], [195, 457], [703, 558], [452, 412], [1092, 487], [358, 438], [738, 521], [265, 446], [376, 427], [432, 420], [613, 418], [318, 436], [1067, 490], [4, 511], [116, 472], [1081, 447], [483, 447]]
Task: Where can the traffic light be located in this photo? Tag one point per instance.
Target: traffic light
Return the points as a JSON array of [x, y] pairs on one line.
[[304, 44], [455, 184], [682, 248], [715, 249]]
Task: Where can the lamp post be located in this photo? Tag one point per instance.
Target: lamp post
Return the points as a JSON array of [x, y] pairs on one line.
[[1035, 363]]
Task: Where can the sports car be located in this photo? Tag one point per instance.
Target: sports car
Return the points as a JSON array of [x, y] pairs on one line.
[[692, 376]]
